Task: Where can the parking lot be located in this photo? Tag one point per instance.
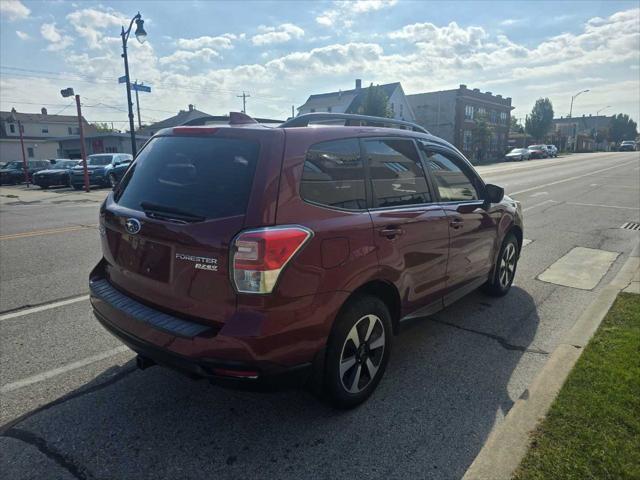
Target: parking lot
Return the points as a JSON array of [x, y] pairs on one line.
[[74, 405]]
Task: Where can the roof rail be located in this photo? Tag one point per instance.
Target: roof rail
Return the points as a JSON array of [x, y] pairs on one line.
[[351, 119]]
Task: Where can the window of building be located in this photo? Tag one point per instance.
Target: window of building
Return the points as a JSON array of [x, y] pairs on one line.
[[468, 112], [503, 117], [312, 110], [70, 130], [467, 140], [401, 109], [12, 128], [396, 173], [482, 111], [493, 116], [30, 152], [453, 183], [328, 109], [333, 175], [393, 109], [493, 143], [45, 129], [111, 149], [77, 130]]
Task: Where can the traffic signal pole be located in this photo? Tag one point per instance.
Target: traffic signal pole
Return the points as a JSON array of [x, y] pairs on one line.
[[83, 152], [25, 168]]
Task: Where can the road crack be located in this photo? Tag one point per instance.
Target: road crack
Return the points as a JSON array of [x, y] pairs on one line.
[[501, 340], [60, 459]]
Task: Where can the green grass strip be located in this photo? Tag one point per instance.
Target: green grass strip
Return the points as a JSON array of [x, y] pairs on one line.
[[592, 430]]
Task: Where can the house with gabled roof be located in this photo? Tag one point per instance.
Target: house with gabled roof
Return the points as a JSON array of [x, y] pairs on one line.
[[349, 101]]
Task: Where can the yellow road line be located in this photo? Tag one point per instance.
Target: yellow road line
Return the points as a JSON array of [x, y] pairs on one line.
[[50, 231]]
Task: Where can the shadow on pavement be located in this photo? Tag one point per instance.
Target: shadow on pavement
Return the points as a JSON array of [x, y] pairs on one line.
[[448, 380]]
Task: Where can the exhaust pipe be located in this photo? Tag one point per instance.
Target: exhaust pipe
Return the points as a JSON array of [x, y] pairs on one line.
[[143, 362]]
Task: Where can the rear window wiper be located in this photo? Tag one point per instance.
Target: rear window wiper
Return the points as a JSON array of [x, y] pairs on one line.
[[168, 212]]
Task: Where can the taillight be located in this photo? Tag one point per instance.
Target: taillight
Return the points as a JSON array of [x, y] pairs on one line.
[[259, 256]]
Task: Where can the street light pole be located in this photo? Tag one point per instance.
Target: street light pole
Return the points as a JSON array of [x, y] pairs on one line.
[[572, 99], [141, 36], [25, 168]]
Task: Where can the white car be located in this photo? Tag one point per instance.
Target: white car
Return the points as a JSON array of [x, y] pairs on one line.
[[552, 150]]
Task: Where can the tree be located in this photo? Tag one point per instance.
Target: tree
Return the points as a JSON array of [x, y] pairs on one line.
[[621, 127], [375, 103], [481, 135], [103, 127], [538, 123], [515, 126]]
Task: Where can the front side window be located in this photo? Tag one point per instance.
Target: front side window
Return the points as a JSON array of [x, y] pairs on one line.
[[333, 175], [453, 184], [99, 159], [397, 175]]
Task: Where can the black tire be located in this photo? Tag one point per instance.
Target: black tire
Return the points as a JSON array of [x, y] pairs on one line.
[[504, 270], [369, 318], [44, 187]]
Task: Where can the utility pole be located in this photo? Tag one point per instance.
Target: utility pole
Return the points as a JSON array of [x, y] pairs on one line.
[[24, 157], [292, 112], [244, 97]]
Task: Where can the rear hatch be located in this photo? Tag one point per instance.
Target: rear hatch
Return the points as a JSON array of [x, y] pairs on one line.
[[188, 194]]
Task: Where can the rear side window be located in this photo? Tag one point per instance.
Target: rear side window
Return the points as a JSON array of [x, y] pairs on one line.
[[333, 175], [452, 182], [396, 173], [206, 177]]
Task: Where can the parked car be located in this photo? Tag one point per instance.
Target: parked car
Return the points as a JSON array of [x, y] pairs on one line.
[[538, 151], [116, 173], [518, 154], [263, 256], [627, 146], [552, 150], [13, 172], [99, 167], [58, 174]]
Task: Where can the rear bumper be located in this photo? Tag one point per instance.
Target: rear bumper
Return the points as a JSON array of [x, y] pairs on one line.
[[270, 378], [277, 354]]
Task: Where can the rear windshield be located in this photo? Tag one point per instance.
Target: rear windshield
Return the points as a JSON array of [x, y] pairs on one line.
[[206, 177]]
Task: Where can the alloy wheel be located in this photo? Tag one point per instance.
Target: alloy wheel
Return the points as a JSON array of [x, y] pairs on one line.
[[507, 265], [362, 353]]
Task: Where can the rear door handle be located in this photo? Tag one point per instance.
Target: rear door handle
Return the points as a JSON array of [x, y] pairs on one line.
[[456, 223], [391, 232]]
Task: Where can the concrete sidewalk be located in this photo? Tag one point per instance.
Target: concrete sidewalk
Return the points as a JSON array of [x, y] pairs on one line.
[[509, 441]]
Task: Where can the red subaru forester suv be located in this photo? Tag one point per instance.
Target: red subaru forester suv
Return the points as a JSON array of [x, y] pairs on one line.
[[253, 255]]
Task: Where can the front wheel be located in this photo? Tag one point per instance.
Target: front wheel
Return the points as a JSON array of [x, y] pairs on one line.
[[357, 352], [504, 270]]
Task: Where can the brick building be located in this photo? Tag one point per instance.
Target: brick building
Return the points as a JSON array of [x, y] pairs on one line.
[[452, 114]]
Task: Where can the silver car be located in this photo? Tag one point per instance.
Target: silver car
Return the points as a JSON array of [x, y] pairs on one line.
[[518, 154]]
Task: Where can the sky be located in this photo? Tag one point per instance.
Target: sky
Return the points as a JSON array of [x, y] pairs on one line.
[[207, 53]]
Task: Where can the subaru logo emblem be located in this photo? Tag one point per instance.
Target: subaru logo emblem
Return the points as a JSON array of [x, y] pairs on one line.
[[132, 225]]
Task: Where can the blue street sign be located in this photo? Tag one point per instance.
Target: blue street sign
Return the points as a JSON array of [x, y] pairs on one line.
[[140, 88], [122, 79]]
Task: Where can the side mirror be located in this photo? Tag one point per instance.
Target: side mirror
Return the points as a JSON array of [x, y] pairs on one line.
[[493, 193]]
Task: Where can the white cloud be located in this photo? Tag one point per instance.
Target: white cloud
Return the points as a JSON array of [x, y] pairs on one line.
[[181, 56], [14, 10], [280, 34], [511, 21], [57, 40], [92, 24], [219, 42], [343, 11], [22, 35]]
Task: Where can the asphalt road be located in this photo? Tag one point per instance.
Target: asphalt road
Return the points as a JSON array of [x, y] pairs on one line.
[[73, 405]]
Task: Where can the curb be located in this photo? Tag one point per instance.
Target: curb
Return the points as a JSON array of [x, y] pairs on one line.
[[508, 443]]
